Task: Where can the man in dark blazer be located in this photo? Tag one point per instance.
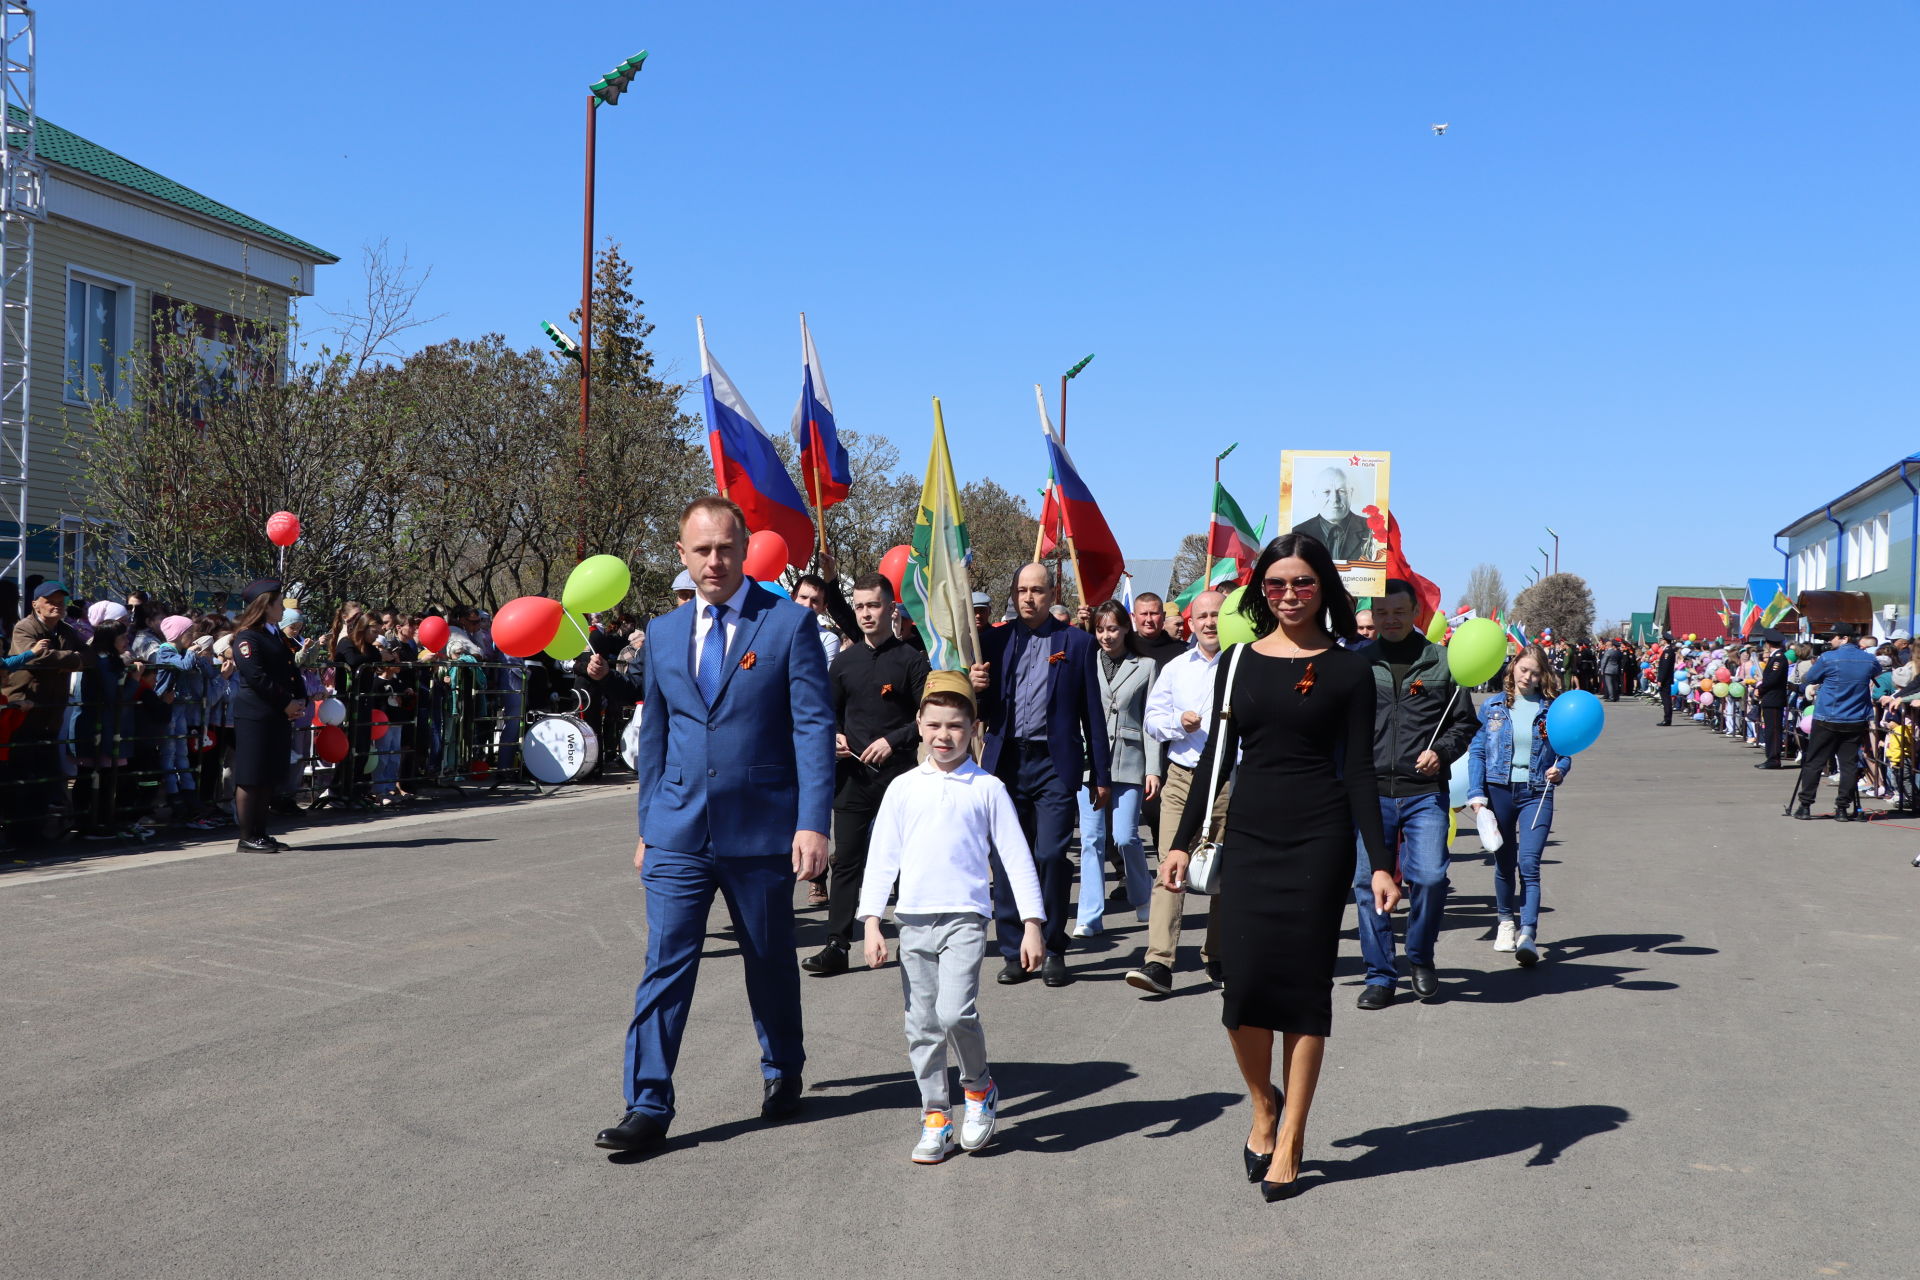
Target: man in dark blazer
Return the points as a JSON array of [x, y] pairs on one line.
[[1039, 687], [1773, 701], [735, 767]]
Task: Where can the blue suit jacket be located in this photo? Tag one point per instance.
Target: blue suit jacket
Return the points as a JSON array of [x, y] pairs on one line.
[[746, 773], [1076, 718]]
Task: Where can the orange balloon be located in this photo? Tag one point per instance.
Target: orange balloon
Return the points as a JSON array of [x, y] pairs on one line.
[[766, 555], [893, 567]]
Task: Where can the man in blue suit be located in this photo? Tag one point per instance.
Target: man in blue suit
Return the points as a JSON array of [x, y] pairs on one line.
[[1046, 737], [736, 790]]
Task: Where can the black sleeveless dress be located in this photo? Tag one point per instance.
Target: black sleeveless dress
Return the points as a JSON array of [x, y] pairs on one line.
[[1304, 785]]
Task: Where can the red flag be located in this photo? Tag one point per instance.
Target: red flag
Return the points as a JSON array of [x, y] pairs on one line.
[[1101, 563], [1426, 594], [1053, 526]]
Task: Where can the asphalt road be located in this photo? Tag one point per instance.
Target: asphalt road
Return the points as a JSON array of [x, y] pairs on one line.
[[386, 1053]]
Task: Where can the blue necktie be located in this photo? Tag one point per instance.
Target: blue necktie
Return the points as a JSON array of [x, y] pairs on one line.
[[713, 654]]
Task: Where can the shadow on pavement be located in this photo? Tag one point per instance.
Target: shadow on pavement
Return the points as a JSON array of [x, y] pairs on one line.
[[1561, 971], [1469, 1136], [424, 842]]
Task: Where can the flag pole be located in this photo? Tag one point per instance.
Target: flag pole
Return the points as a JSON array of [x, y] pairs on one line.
[[719, 469]]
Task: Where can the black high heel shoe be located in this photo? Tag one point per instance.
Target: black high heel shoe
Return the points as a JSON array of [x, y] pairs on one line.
[[1272, 1191], [1258, 1163]]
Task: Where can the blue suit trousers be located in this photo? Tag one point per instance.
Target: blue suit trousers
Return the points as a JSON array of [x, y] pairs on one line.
[[759, 897]]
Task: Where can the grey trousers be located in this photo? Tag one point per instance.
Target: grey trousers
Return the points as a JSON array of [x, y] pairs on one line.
[[940, 959]]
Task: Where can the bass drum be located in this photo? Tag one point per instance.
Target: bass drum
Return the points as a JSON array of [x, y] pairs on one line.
[[560, 749]]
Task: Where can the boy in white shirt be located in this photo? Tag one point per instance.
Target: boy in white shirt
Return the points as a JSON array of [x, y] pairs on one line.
[[942, 828]]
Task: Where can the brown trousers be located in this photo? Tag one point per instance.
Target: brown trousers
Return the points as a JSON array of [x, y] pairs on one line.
[[1165, 909]]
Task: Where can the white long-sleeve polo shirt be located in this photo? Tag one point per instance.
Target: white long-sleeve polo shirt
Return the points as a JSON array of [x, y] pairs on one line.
[[933, 833], [1184, 684]]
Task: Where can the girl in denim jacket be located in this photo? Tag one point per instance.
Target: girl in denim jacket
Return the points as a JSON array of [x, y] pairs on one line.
[[1517, 785]]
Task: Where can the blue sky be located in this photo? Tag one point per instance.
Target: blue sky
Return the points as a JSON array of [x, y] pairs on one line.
[[1655, 287]]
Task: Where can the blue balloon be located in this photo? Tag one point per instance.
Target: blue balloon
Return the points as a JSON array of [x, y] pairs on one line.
[[1458, 791], [1574, 722], [777, 589]]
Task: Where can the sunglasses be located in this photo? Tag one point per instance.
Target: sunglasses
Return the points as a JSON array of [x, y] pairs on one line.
[[1304, 588]]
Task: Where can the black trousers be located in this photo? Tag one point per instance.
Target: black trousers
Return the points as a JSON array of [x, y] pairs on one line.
[[1770, 726], [855, 805], [1666, 704], [1833, 739]]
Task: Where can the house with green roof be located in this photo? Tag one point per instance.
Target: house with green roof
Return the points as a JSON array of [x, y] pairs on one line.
[[123, 255]]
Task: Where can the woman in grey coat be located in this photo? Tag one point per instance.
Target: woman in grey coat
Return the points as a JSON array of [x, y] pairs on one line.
[[1125, 677]]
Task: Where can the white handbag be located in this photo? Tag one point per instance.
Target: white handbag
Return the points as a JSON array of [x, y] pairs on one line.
[[1203, 864]]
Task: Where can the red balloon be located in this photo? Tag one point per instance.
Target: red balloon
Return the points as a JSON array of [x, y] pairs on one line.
[[525, 626], [379, 724], [433, 634], [766, 555], [330, 743], [893, 567], [283, 528]]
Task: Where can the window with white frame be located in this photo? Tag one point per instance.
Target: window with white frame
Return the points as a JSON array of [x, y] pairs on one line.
[[1882, 540], [84, 548], [99, 331], [1859, 552]]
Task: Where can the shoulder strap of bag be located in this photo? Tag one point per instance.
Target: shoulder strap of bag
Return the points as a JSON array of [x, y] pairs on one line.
[[1218, 739]]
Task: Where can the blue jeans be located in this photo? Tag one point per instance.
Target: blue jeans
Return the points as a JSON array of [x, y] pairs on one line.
[[1418, 826], [1517, 809], [386, 772], [1097, 835], [759, 897]]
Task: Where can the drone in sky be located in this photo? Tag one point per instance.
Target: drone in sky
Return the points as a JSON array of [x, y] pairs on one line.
[[1439, 130]]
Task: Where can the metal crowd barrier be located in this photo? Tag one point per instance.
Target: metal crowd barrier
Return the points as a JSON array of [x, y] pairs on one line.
[[126, 766]]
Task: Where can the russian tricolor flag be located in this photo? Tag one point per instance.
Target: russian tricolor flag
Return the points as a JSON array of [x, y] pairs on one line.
[[823, 460], [1101, 563], [746, 466]]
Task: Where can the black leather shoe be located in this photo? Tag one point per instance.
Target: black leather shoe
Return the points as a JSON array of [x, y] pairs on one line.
[[1426, 983], [1152, 977], [263, 844], [637, 1131], [1011, 974], [1054, 971], [1803, 813], [829, 960], [782, 1099], [1841, 813], [1768, 764], [1374, 996]]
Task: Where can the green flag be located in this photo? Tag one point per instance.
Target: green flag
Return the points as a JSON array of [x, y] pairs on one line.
[[936, 592]]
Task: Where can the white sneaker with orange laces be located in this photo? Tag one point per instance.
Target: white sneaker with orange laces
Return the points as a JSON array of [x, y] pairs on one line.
[[936, 1139], [976, 1123]]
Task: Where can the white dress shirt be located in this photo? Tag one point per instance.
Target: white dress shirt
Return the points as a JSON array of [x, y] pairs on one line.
[[729, 617], [934, 832], [1184, 684]]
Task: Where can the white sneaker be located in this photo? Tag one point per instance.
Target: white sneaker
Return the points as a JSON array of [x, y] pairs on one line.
[[1503, 937], [1078, 930], [976, 1124], [936, 1139], [1526, 952]]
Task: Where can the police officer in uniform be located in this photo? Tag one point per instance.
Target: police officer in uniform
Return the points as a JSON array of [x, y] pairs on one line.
[[1773, 702], [268, 696]]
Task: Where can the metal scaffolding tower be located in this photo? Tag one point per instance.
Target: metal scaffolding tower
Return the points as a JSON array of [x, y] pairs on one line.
[[22, 207]]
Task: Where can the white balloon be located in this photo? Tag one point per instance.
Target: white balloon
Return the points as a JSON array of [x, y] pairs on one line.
[[333, 711]]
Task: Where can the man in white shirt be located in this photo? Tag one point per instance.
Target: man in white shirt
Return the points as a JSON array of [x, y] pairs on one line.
[[1178, 710]]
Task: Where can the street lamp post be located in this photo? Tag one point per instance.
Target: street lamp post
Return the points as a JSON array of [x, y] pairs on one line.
[[1218, 458], [1556, 550], [606, 90], [1065, 378], [1546, 565]]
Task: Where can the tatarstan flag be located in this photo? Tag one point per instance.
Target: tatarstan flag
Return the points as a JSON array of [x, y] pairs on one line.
[[1232, 544], [936, 592]]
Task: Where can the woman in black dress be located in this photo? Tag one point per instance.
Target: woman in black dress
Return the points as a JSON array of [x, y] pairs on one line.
[[268, 696], [1302, 719]]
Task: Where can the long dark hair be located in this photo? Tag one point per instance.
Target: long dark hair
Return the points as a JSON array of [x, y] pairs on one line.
[[1336, 606], [256, 611], [1113, 609]]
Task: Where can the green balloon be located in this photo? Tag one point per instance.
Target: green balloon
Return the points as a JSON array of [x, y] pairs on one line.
[[1235, 628], [571, 640], [1720, 688], [1476, 651], [596, 584], [1736, 689]]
